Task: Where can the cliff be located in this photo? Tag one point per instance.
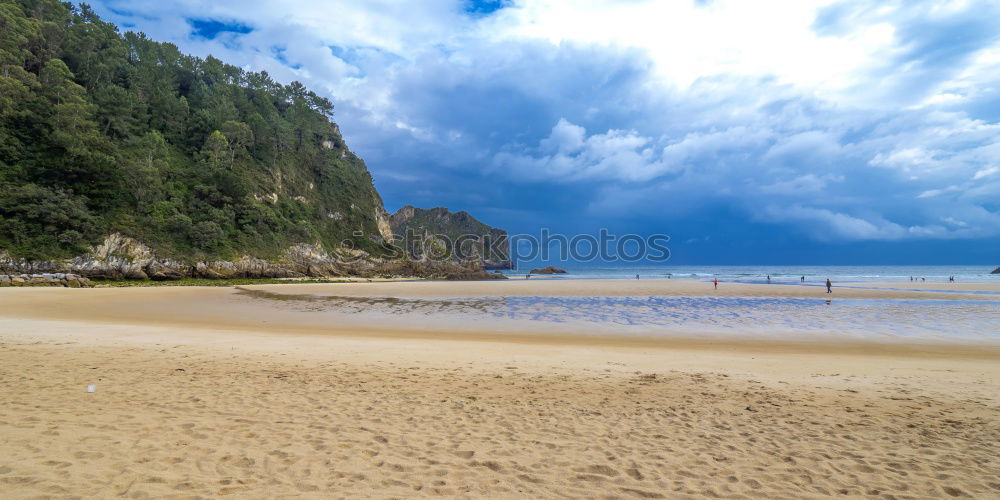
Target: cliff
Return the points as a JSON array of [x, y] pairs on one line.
[[122, 157], [439, 233]]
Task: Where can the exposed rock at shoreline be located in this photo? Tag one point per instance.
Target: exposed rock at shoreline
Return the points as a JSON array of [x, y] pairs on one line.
[[996, 271], [68, 280], [548, 270], [121, 257]]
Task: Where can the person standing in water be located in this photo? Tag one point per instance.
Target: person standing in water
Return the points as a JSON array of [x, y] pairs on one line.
[[829, 286], [802, 279], [637, 276], [768, 278], [716, 283]]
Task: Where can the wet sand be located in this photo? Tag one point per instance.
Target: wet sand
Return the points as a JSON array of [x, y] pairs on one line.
[[659, 287], [193, 402]]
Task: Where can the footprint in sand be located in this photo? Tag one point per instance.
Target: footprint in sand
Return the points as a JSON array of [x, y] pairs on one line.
[[489, 464], [603, 470]]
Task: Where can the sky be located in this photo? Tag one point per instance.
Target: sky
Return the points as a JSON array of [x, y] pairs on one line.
[[775, 132]]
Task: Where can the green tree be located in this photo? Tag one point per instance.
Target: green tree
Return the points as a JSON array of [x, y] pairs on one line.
[[41, 223], [215, 150], [239, 137]]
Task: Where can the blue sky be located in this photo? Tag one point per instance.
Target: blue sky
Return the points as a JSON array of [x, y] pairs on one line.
[[793, 132]]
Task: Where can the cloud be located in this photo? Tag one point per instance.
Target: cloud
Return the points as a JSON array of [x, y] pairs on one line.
[[986, 172], [850, 120], [569, 155], [804, 184], [830, 226]]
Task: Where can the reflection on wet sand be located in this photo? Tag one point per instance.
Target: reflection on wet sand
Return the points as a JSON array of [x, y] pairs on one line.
[[959, 320]]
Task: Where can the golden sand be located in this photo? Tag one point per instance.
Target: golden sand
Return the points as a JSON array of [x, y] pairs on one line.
[[191, 403]]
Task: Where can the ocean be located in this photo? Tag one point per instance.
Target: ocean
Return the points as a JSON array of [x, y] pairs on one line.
[[779, 274]]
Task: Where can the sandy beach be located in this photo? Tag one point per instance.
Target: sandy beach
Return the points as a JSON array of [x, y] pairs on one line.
[[204, 392]]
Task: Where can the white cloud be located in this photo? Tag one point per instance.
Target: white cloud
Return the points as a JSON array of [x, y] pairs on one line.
[[567, 154], [930, 193], [906, 158], [565, 138], [688, 41], [986, 172], [805, 184], [828, 225]]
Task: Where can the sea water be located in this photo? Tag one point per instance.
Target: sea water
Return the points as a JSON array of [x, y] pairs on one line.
[[779, 274]]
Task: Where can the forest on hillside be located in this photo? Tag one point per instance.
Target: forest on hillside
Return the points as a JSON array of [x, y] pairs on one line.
[[104, 132]]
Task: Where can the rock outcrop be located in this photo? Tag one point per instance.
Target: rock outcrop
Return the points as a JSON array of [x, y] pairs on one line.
[[121, 257], [67, 280], [996, 271], [548, 270], [440, 234]]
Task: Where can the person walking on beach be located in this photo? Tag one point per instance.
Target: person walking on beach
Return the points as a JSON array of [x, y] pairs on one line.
[[829, 286], [716, 283]]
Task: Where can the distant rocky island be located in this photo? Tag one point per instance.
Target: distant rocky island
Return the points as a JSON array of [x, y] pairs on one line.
[[548, 270], [121, 157]]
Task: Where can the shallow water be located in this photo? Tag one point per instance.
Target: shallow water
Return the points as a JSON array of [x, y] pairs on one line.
[[654, 315]]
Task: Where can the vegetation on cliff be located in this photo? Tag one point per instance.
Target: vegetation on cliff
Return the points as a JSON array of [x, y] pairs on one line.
[[103, 132], [438, 232]]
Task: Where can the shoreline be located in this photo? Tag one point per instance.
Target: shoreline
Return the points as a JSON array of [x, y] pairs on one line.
[[226, 308]]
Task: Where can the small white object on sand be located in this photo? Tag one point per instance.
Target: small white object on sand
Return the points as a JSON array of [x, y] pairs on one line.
[[91, 388]]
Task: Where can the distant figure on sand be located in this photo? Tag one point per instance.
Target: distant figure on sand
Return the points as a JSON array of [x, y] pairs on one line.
[[829, 286], [768, 278], [637, 276], [802, 279], [527, 276], [716, 283], [923, 279]]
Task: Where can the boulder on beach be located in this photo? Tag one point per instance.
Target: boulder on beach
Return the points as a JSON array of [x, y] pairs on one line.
[[548, 270]]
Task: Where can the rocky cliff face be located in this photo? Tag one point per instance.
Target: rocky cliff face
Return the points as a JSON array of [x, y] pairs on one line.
[[440, 234], [121, 257]]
